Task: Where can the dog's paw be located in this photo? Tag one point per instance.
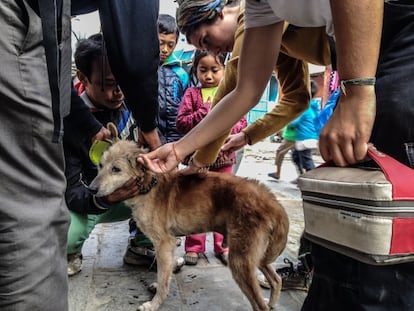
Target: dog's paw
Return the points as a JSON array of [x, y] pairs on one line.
[[152, 288], [146, 306]]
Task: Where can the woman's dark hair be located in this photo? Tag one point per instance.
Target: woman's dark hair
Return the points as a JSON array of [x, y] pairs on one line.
[[198, 55], [88, 51], [192, 13], [167, 25]]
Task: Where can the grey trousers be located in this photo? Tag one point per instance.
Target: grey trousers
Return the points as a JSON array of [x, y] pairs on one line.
[[33, 215]]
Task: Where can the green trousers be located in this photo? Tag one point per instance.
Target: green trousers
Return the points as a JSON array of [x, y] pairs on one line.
[[81, 226]]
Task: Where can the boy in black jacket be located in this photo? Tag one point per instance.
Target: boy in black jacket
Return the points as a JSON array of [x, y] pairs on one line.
[[106, 101]]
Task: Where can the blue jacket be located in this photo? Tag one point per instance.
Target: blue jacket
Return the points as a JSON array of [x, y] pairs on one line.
[[172, 83], [305, 123]]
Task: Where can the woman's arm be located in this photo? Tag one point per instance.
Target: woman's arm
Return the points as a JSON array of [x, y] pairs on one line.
[[258, 56]]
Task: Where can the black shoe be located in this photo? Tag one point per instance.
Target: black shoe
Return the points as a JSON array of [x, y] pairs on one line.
[[295, 277], [145, 256]]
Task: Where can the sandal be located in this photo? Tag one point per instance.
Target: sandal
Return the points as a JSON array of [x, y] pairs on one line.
[[223, 257], [190, 259], [273, 175]]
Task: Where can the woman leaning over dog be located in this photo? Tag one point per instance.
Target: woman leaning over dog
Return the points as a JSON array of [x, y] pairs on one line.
[[206, 72], [344, 138]]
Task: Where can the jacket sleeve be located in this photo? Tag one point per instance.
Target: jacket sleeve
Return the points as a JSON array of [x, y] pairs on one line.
[[191, 110], [78, 198], [131, 37], [239, 126], [293, 77]]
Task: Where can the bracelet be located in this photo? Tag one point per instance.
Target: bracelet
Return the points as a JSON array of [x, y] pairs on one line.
[[359, 81], [175, 153], [200, 169]]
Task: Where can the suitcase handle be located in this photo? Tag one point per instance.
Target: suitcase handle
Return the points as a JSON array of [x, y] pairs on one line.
[[399, 175]]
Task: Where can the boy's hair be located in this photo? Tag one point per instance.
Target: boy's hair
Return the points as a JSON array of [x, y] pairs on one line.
[[192, 13], [167, 25], [88, 51], [198, 55]]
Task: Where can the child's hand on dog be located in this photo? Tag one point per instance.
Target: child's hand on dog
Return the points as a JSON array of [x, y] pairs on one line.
[[127, 191]]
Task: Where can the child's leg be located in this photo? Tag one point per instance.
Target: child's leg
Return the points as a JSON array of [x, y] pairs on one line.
[[195, 243], [218, 244], [81, 225]]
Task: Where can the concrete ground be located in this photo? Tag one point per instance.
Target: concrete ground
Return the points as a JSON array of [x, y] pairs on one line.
[[107, 284]]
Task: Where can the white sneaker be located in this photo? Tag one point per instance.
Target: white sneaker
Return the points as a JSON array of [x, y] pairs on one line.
[[74, 263]]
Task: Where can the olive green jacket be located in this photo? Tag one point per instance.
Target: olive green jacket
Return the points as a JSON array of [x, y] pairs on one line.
[[299, 47]]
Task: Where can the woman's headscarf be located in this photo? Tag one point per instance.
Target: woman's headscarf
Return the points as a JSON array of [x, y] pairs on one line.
[[192, 12]]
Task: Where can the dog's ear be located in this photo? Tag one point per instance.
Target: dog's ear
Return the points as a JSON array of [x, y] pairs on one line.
[[114, 132], [134, 154]]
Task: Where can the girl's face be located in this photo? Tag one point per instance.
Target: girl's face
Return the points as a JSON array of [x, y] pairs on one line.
[[209, 71], [217, 37]]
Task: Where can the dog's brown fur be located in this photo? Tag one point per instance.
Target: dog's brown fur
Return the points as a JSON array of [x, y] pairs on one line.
[[245, 211]]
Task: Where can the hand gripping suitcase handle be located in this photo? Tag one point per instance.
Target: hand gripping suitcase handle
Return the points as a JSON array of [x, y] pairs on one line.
[[399, 175]]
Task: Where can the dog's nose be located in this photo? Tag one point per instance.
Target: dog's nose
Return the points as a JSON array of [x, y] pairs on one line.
[[92, 188]]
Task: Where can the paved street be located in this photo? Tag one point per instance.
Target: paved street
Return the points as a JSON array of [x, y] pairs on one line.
[[107, 284]]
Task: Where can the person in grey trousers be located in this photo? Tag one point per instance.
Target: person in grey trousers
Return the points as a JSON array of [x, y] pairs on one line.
[[35, 96]]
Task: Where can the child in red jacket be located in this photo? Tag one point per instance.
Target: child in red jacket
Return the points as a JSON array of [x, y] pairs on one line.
[[208, 71]]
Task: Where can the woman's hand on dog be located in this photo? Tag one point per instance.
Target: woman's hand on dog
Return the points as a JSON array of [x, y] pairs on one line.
[[162, 160], [166, 158], [127, 191]]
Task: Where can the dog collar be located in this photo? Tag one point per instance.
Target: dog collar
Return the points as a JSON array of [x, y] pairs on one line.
[[145, 189]]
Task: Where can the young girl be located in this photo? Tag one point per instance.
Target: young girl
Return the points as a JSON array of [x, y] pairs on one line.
[[206, 72]]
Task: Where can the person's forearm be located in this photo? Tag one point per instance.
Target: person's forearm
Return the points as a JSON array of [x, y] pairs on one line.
[[131, 37], [358, 25]]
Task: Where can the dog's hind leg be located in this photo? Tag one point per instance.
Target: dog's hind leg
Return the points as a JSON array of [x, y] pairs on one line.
[[243, 269], [275, 282], [165, 250]]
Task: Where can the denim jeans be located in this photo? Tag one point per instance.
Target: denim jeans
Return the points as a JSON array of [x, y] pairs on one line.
[[342, 283], [395, 82]]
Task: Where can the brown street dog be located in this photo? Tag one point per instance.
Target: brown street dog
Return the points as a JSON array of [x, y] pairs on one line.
[[243, 210]]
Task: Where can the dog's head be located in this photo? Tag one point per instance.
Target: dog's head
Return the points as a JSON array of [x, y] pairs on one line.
[[118, 164]]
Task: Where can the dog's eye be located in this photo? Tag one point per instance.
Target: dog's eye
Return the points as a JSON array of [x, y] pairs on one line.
[[115, 169]]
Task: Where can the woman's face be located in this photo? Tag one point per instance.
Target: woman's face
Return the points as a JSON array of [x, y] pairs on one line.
[[217, 37]]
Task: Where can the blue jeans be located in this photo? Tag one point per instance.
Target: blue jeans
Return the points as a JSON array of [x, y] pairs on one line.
[[303, 160], [340, 282]]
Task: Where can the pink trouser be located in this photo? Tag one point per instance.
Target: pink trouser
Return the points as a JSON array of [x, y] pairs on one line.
[[197, 242]]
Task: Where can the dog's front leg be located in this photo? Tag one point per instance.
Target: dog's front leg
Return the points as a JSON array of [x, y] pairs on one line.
[[165, 262]]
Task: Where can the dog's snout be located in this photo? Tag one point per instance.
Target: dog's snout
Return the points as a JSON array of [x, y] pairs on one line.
[[92, 188]]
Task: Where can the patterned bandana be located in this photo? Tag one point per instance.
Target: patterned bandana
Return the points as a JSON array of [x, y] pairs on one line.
[[192, 12]]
